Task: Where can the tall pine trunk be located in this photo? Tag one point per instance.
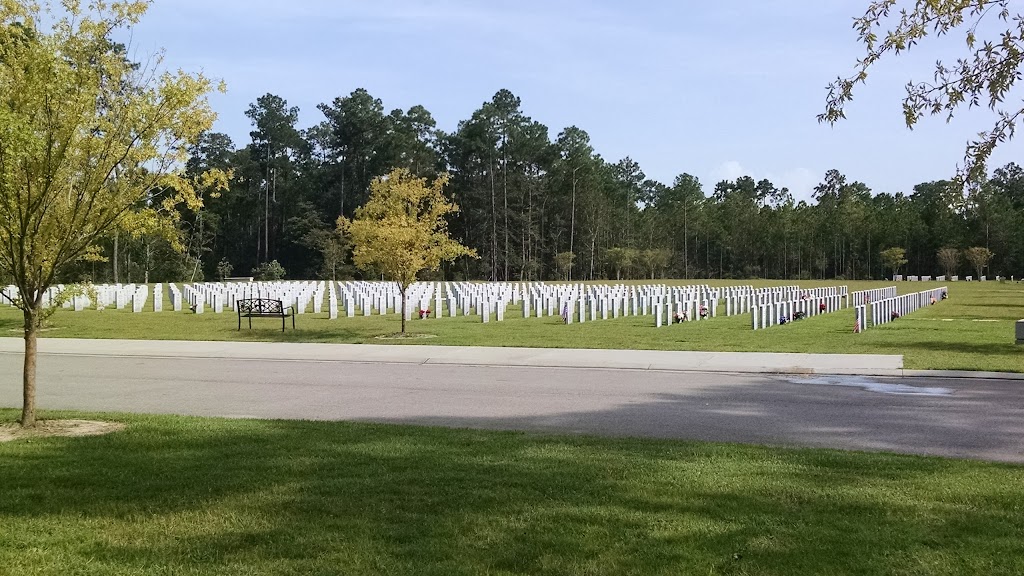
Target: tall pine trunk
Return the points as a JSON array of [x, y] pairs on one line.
[[494, 226], [686, 244], [504, 200], [115, 259], [28, 409]]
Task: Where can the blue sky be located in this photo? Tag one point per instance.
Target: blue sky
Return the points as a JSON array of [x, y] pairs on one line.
[[716, 89]]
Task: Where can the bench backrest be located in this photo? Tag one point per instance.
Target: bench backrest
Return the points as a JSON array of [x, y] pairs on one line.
[[259, 306]]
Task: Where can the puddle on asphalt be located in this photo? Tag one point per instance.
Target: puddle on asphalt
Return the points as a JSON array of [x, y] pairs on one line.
[[872, 385]]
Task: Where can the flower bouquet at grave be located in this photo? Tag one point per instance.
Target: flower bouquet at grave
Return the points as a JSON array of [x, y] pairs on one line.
[[424, 313]]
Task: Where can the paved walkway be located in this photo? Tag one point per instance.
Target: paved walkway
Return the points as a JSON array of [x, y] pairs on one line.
[[676, 361], [733, 362]]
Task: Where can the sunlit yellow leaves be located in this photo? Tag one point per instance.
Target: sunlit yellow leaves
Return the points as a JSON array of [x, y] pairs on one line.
[[402, 229], [89, 140], [94, 254]]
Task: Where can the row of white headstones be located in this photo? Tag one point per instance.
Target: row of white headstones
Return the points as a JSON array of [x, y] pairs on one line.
[[97, 297], [871, 307], [889, 306], [900, 278], [808, 302], [573, 302]]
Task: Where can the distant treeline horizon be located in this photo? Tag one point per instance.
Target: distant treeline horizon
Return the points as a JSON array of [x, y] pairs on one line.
[[528, 200]]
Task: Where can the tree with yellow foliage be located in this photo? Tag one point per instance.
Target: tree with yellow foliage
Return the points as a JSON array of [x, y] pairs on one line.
[[89, 142], [402, 230]]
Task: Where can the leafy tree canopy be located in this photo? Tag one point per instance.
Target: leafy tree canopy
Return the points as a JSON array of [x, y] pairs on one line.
[[88, 142], [402, 230], [983, 76], [894, 258]]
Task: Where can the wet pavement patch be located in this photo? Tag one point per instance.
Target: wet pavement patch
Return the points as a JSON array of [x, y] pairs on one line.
[[871, 385]]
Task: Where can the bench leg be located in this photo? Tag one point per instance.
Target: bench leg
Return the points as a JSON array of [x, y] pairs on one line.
[[239, 322], [282, 323]]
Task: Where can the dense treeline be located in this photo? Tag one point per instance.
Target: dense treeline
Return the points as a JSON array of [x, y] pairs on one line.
[[536, 207]]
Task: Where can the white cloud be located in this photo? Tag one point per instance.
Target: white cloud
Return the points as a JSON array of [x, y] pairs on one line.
[[729, 170], [800, 181]]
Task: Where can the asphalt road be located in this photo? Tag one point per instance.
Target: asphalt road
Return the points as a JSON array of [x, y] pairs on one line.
[[981, 419]]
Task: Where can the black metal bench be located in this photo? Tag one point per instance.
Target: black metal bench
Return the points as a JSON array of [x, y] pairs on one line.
[[263, 308]]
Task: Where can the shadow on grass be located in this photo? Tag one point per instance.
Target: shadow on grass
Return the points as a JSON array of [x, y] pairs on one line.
[[987, 348], [212, 496], [340, 336], [11, 327]]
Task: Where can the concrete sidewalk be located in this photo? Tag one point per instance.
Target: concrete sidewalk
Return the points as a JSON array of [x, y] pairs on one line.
[[734, 362]]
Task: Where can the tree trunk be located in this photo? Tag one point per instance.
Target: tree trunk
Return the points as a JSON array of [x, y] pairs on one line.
[[259, 243], [115, 257], [504, 200], [28, 409], [266, 221], [593, 250], [494, 227], [529, 230], [870, 275], [403, 308], [572, 222], [686, 245]]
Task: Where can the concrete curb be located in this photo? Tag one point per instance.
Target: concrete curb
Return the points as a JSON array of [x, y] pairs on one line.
[[962, 374], [767, 370]]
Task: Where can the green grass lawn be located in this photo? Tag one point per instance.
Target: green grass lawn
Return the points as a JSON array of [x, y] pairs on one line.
[[172, 495], [971, 331]]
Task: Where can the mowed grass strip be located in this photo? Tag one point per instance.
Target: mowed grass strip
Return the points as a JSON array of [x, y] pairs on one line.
[[974, 330], [173, 495]]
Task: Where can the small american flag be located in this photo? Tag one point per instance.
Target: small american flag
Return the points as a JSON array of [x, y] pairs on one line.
[[565, 313], [856, 326]]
